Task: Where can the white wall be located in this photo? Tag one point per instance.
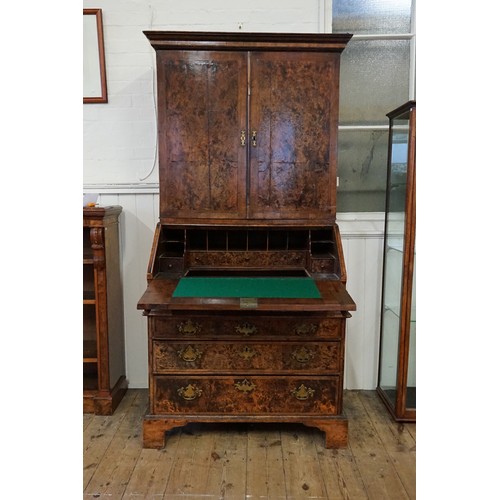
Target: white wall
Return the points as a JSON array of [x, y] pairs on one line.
[[119, 161], [119, 138]]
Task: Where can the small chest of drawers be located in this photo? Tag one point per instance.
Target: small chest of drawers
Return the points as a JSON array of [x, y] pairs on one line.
[[246, 367]]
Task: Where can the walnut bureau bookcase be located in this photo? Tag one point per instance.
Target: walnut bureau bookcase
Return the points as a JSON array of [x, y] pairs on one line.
[[246, 295], [104, 382]]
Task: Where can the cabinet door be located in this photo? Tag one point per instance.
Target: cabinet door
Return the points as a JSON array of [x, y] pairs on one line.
[[293, 115], [202, 113]]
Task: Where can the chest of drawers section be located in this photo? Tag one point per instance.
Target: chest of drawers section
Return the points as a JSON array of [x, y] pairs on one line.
[[255, 368]]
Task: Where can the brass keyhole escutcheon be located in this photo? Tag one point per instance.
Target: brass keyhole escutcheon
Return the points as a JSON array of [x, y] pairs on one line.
[[254, 138], [189, 354], [242, 138], [302, 393], [190, 392]]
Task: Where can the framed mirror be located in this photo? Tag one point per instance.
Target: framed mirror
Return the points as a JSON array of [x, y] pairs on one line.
[[94, 67]]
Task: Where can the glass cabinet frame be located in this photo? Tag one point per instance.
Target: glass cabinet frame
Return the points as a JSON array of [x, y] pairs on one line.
[[397, 358]]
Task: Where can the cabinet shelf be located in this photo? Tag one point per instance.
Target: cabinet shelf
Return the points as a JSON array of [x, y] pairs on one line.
[[89, 297], [90, 350], [394, 309], [395, 248]]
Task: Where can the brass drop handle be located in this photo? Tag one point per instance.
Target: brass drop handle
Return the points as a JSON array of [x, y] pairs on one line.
[[306, 329], [245, 386], [188, 327], [302, 355], [254, 138], [302, 393], [242, 138], [246, 329], [247, 353], [190, 392], [189, 354]]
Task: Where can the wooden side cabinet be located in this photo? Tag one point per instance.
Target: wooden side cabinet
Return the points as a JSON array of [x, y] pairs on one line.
[[104, 381]]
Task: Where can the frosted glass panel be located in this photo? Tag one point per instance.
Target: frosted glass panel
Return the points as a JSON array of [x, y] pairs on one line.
[[371, 16], [374, 79], [362, 168]]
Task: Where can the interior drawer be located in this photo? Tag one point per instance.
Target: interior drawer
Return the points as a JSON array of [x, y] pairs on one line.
[[246, 395]]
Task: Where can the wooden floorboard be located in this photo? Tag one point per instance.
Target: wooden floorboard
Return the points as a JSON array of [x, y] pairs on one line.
[[249, 461], [265, 474]]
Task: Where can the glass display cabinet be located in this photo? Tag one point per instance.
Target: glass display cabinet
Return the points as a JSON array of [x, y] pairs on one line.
[[397, 368]]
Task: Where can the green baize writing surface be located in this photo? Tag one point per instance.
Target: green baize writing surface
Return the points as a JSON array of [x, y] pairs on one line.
[[255, 287]]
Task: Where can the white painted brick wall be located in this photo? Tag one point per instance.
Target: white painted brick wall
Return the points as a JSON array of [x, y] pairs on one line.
[[119, 137]]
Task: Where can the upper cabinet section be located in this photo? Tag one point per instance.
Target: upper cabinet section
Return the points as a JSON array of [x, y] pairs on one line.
[[247, 126]]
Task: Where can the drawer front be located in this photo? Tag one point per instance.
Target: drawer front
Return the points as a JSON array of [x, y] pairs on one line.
[[246, 395], [322, 265], [171, 264], [246, 356], [231, 260], [243, 327]]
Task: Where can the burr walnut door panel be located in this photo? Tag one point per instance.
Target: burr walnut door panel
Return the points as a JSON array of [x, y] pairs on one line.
[[202, 119], [293, 122]]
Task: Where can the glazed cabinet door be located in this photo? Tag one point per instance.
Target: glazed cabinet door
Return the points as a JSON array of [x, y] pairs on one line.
[[202, 133], [293, 123]]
